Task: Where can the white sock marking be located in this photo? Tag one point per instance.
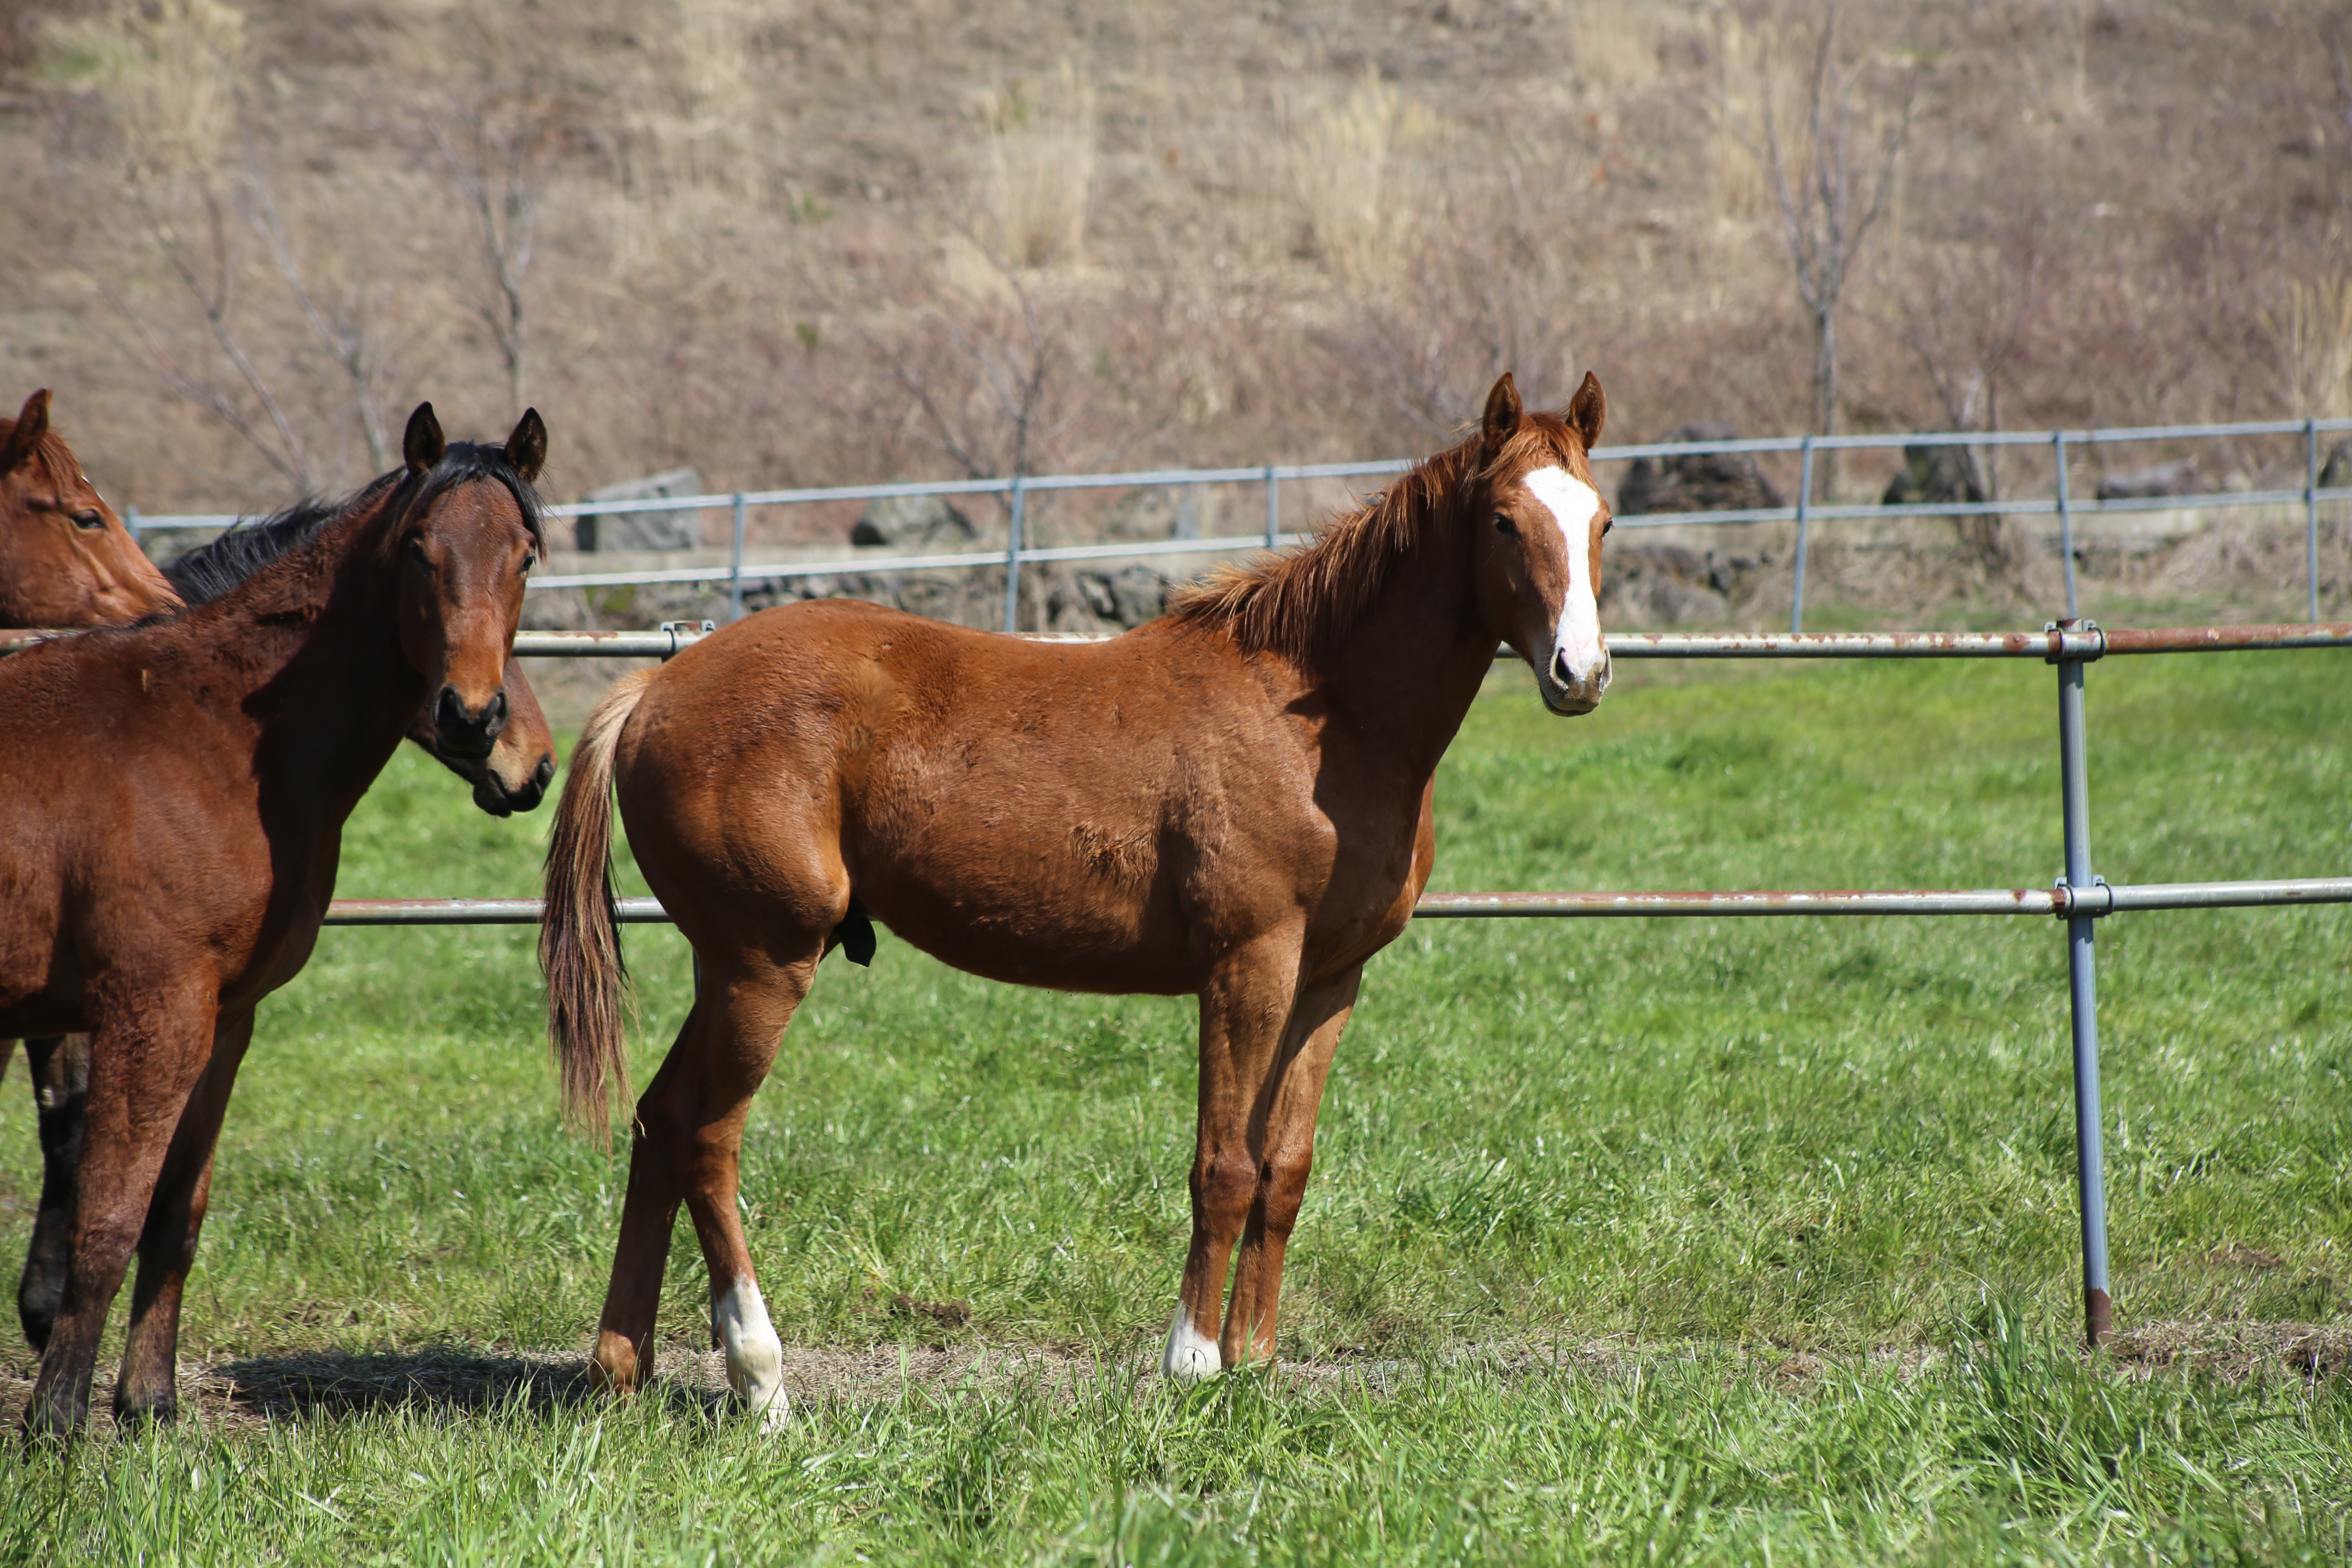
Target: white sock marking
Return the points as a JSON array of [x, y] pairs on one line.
[[1572, 504], [1189, 1357], [755, 1356]]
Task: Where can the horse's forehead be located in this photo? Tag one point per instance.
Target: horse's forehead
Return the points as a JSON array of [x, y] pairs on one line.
[[1569, 495]]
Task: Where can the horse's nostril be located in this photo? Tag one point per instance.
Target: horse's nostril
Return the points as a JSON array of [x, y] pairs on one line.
[[542, 775], [1560, 670]]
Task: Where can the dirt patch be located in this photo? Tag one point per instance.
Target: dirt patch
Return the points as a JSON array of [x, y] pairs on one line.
[[2236, 1352], [254, 1391]]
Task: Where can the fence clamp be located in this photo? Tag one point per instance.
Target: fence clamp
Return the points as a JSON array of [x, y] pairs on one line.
[[2091, 902], [2074, 641], [682, 633]]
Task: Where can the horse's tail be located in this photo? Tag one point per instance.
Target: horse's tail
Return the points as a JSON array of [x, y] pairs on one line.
[[579, 940]]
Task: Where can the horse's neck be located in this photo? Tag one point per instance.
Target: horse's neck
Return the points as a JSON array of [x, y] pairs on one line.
[[314, 642], [1410, 666]]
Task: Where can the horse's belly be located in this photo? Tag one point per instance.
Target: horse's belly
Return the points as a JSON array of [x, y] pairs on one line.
[[1041, 930]]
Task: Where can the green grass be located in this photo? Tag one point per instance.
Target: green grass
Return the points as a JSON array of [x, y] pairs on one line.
[[1700, 1240]]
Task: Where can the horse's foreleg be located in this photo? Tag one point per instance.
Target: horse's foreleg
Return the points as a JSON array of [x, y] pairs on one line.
[[59, 1067], [1243, 1010], [1293, 1095], [687, 1142], [145, 1055], [148, 1386]]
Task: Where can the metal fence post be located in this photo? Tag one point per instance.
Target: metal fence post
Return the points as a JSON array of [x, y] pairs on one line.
[[1013, 560], [1274, 511], [2065, 521], [1804, 506], [735, 570], [2090, 1174], [2311, 508]]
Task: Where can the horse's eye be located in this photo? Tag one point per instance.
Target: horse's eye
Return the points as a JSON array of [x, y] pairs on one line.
[[416, 550], [1506, 527], [1607, 523], [530, 560], [89, 520]]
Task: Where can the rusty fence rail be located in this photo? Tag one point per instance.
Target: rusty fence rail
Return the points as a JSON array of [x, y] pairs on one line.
[[2079, 897]]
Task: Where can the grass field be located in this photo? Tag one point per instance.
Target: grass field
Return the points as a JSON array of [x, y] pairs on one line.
[[1694, 1241]]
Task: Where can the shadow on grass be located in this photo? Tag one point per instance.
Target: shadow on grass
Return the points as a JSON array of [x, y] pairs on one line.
[[361, 1383]]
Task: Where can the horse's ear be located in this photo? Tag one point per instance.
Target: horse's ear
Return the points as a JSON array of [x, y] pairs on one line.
[[1501, 420], [527, 447], [424, 444], [1588, 409], [31, 425]]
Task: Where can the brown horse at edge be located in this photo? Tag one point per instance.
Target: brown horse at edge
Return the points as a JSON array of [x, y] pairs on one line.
[[172, 803], [1231, 800], [67, 561]]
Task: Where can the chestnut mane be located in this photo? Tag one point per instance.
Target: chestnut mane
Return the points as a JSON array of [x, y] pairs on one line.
[[1300, 602]]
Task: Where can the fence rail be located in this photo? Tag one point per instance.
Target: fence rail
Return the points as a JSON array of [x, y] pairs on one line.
[[1803, 511], [2080, 897]]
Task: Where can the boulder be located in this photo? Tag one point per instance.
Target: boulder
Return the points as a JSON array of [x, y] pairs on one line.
[[642, 530], [1709, 481], [1129, 598], [913, 519], [2178, 478], [1664, 584], [1934, 476]]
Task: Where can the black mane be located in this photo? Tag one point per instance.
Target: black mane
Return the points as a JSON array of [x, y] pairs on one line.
[[210, 570]]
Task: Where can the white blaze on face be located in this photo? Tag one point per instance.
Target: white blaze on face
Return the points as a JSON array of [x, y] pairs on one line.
[[1189, 1357], [1573, 504], [755, 1356]]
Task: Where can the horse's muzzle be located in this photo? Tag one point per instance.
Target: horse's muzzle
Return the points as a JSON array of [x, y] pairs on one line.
[[1567, 694], [463, 733]]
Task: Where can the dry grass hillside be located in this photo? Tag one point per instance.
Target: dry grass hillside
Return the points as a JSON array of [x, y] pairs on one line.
[[826, 241]]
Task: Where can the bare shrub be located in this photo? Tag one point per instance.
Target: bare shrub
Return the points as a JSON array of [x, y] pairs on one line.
[[1352, 169]]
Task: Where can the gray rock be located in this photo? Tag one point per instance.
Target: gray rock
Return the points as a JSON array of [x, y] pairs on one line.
[[2178, 478], [1129, 598], [643, 530], [1934, 476], [913, 519], [1711, 482]]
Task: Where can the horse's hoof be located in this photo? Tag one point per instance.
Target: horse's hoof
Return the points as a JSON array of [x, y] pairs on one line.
[[613, 1368]]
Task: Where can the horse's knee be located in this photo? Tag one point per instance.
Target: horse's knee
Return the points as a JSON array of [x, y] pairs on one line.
[[1223, 1185]]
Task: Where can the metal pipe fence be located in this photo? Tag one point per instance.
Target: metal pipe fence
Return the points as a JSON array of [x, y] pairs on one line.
[[1804, 512], [2079, 897]]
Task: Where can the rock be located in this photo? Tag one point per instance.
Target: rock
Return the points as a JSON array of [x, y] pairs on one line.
[[2336, 469], [1129, 598], [917, 520], [643, 530], [1161, 511], [1710, 481], [1934, 476], [1667, 585], [2178, 478]]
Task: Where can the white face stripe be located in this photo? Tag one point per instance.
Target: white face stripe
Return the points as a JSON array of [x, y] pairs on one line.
[[1189, 1357], [1573, 505]]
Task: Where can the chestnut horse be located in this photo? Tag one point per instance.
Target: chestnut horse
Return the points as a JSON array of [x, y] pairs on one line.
[[172, 803], [1231, 800], [66, 560]]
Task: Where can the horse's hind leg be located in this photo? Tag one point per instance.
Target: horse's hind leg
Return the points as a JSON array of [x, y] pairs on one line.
[[684, 1148], [147, 1388], [144, 1058], [1291, 1099], [59, 1067]]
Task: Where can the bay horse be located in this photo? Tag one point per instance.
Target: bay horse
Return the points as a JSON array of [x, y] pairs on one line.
[[171, 802], [1231, 800], [512, 778]]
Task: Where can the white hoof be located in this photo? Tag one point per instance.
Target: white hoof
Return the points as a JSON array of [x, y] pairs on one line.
[[755, 1356], [1189, 1357]]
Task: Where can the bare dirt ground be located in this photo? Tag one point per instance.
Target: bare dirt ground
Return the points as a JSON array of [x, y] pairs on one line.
[[243, 1393]]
